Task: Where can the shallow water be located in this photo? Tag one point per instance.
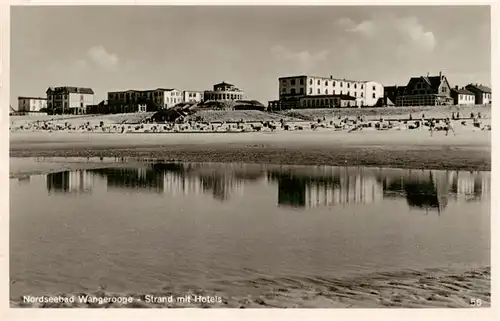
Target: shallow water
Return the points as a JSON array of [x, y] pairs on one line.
[[142, 228]]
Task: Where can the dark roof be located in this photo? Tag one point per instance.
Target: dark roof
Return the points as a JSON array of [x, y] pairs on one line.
[[223, 84], [291, 77], [433, 81], [480, 88], [462, 91], [67, 90], [21, 97]]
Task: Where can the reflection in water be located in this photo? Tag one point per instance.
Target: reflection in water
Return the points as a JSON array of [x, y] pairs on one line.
[[70, 182], [296, 186]]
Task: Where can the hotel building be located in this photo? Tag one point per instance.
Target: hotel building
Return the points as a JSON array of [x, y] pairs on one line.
[[69, 100], [306, 91], [162, 97], [425, 91]]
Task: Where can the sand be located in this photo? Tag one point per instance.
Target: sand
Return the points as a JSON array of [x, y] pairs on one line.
[[432, 288], [470, 149]]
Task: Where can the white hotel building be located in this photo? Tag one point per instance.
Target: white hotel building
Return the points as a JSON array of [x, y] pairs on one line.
[[365, 93], [164, 97]]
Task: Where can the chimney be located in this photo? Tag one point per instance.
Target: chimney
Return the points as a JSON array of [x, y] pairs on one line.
[[456, 87], [331, 77], [440, 75]]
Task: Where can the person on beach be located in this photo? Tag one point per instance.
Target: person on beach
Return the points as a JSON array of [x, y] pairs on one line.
[[431, 126], [449, 126]]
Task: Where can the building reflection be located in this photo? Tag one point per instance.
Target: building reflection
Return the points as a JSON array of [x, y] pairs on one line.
[[178, 179], [423, 189], [79, 181], [340, 187], [306, 187]]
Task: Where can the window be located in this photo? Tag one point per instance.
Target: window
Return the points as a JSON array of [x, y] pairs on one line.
[[333, 84], [326, 91], [292, 91], [374, 88], [293, 82], [301, 91], [341, 84], [319, 91], [443, 89], [373, 95], [310, 91], [361, 94], [310, 81], [319, 82], [348, 93], [361, 86], [348, 85], [355, 94], [326, 82], [284, 82], [301, 81], [283, 90], [355, 86]]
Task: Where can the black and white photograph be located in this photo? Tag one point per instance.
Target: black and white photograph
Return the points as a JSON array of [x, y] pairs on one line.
[[250, 156]]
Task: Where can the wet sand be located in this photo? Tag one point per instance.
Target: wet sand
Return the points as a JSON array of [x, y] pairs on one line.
[[405, 289], [468, 150]]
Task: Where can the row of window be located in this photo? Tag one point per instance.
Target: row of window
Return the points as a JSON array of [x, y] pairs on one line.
[[466, 97], [149, 94], [326, 92], [301, 81], [328, 103]]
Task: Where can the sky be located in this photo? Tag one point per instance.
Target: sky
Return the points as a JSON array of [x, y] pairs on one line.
[[112, 48]]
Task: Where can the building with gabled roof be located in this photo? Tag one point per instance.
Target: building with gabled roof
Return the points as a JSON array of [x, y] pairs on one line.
[[462, 96], [482, 93], [425, 91]]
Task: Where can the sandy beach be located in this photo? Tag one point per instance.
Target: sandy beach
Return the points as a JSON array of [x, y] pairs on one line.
[[432, 288], [469, 149]]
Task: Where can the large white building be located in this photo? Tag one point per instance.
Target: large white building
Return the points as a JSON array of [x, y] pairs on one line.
[[365, 93], [163, 97], [69, 100], [31, 104]]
